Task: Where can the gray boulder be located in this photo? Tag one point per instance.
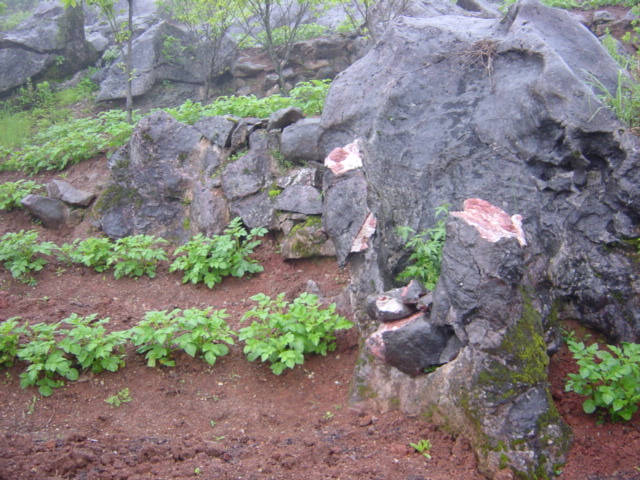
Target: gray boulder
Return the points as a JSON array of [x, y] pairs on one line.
[[51, 42], [158, 184], [307, 240], [66, 192], [299, 142], [300, 199], [53, 213], [450, 108]]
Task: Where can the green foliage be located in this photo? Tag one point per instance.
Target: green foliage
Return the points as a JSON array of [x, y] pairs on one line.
[[423, 446], [426, 247], [45, 358], [91, 346], [11, 193], [154, 337], [625, 101], [196, 332], [309, 96], [208, 260], [15, 127], [135, 256], [282, 332], [66, 144], [172, 48], [281, 35], [123, 396], [95, 252], [203, 334], [18, 252], [609, 378], [9, 340], [35, 96]]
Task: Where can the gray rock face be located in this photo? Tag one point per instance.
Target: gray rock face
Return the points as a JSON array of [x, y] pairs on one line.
[[453, 107], [151, 66], [174, 180], [300, 199], [32, 49], [158, 181]]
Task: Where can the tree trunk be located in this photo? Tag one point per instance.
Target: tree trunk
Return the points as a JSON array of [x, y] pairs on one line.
[[128, 66]]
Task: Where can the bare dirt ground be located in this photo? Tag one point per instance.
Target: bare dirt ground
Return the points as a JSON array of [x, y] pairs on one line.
[[235, 420]]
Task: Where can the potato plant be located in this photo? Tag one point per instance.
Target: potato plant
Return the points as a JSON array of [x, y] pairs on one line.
[[282, 332]]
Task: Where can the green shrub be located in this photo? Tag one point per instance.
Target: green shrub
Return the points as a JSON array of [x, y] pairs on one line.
[[426, 255], [154, 337], [45, 358], [196, 332], [11, 193], [203, 332], [92, 346], [282, 332], [209, 260], [9, 340], [34, 96], [18, 253], [135, 256], [94, 252], [309, 96], [609, 378]]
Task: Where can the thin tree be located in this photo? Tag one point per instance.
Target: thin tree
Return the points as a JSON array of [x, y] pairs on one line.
[[372, 17], [123, 35], [209, 22], [275, 25]]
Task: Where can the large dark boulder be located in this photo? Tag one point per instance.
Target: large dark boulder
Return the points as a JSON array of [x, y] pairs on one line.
[[50, 43], [452, 107], [161, 183]]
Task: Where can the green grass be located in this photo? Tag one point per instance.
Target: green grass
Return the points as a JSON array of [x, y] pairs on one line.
[[14, 128]]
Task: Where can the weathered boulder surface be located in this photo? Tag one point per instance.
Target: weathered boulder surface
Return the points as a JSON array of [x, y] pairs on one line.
[[151, 65], [158, 183], [448, 108], [50, 42], [175, 180]]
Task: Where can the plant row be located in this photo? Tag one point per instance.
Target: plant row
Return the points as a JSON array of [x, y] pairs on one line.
[[280, 333], [202, 259], [74, 140]]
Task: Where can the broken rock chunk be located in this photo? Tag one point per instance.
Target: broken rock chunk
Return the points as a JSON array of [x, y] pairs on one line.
[[492, 222]]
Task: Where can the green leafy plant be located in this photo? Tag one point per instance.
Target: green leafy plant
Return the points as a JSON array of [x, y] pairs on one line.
[[426, 247], [309, 96], [11, 193], [68, 143], [135, 256], [39, 95], [209, 260], [423, 447], [610, 378], [45, 358], [9, 340], [197, 332], [94, 252], [122, 396], [92, 346], [18, 253], [282, 332], [204, 332], [154, 337]]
